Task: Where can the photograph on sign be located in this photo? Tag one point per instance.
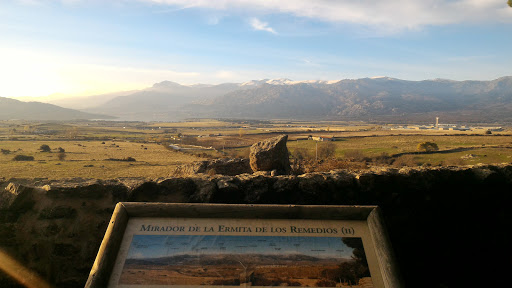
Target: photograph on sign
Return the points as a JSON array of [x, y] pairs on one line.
[[213, 260]]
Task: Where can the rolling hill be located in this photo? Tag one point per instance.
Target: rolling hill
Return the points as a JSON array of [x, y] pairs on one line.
[[233, 259], [14, 109]]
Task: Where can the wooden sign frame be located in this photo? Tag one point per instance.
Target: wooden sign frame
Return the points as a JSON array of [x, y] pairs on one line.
[[384, 266]]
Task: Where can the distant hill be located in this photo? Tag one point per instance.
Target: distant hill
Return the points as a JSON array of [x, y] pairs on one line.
[[162, 101], [366, 99], [370, 99], [85, 102], [233, 259], [15, 109]]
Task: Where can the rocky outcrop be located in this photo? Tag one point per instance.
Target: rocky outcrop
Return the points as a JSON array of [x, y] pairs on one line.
[[229, 167], [436, 217], [270, 154]]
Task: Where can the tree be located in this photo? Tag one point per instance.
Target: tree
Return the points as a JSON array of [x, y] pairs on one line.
[[351, 271], [45, 148], [509, 3], [427, 146]]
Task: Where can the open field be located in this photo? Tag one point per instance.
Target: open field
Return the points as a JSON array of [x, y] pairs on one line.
[[226, 275], [88, 159], [480, 149], [147, 143]]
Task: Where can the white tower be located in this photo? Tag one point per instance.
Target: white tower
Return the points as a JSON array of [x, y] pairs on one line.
[[437, 122]]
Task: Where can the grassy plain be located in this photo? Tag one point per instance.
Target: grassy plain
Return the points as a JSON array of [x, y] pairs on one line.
[[89, 144], [486, 149], [88, 159]]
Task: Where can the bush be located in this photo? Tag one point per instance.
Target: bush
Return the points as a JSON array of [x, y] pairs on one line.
[[61, 150], [406, 160], [211, 172], [23, 158], [45, 148], [302, 166], [127, 159], [383, 159], [61, 156], [243, 153], [6, 151], [326, 150], [427, 147], [301, 154], [355, 155]]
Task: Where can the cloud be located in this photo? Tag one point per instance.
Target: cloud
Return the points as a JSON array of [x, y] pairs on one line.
[[387, 15], [261, 26]]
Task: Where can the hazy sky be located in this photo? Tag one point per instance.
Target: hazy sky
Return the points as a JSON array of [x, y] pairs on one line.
[[81, 47]]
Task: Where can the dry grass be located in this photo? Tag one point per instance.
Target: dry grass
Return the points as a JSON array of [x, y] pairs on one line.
[[358, 145], [207, 123], [88, 159]]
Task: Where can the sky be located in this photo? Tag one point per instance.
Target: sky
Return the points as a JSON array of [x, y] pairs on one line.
[[71, 48], [151, 246]]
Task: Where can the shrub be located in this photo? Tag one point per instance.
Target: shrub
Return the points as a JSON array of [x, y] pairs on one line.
[[383, 159], [243, 153], [6, 151], [326, 150], [211, 172], [61, 156], [23, 158], [427, 146], [127, 159], [61, 150], [300, 167], [45, 148], [301, 154], [355, 155], [406, 160]]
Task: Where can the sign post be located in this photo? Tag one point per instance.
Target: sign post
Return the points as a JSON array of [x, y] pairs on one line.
[[215, 245]]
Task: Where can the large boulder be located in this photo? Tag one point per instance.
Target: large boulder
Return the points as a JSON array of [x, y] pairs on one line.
[[270, 154]]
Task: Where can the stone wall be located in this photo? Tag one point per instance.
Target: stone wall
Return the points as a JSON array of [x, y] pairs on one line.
[[449, 227]]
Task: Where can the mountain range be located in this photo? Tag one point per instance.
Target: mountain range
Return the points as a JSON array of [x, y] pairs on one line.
[[367, 99], [234, 259], [12, 109]]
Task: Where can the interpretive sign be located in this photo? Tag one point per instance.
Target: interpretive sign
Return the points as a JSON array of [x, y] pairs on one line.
[[214, 245]]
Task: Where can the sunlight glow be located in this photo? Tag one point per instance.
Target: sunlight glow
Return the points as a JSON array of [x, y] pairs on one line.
[[36, 74], [19, 272]]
